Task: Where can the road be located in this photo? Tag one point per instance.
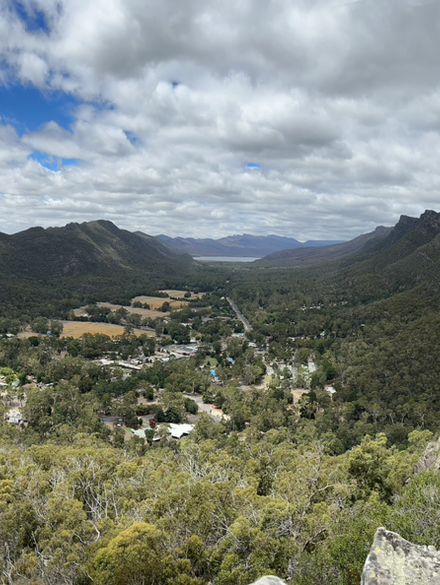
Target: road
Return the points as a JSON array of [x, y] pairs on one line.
[[247, 326]]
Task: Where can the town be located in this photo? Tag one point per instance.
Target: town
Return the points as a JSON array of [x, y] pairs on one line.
[[159, 366]]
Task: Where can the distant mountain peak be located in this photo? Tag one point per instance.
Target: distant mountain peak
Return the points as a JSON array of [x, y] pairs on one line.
[[246, 245], [103, 223]]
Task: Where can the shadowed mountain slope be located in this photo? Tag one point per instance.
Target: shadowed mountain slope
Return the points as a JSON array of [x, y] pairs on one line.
[[314, 256], [97, 248]]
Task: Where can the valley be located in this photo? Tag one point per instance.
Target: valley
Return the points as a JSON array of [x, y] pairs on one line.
[[219, 292], [261, 418]]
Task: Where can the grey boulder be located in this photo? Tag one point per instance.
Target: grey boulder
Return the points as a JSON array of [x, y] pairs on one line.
[[395, 561], [269, 580]]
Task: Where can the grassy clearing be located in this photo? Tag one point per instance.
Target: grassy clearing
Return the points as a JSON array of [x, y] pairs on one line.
[[28, 334], [145, 313], [157, 302], [77, 329], [180, 294]]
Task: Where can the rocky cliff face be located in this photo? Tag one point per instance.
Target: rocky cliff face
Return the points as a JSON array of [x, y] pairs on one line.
[[395, 561]]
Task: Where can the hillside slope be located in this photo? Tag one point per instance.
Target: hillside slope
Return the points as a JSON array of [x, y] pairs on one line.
[[313, 256], [96, 248], [93, 258], [408, 256]]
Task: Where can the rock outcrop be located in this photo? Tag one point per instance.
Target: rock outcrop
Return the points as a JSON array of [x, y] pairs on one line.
[[395, 561], [430, 460], [392, 561], [269, 580]]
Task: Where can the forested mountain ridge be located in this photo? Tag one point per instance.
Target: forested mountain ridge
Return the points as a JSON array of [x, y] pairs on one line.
[[92, 258], [309, 256], [97, 247], [408, 256], [245, 245], [387, 258]]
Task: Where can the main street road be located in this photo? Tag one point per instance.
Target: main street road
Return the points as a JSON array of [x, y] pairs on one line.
[[247, 326]]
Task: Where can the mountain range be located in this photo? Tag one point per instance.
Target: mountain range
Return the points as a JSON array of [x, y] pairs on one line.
[[101, 250], [244, 245], [98, 260], [82, 261]]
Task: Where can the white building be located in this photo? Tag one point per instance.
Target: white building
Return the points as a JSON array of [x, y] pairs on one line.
[[177, 431]]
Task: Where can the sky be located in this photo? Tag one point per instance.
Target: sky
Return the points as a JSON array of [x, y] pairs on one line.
[[304, 118]]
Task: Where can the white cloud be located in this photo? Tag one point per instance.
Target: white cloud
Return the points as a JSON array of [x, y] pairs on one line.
[[32, 69], [336, 102]]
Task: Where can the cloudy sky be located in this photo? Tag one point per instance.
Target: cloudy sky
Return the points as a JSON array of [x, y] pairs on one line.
[[310, 118]]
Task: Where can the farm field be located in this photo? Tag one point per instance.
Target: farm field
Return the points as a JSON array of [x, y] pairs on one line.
[[180, 294], [157, 302], [145, 313], [175, 300], [77, 329]]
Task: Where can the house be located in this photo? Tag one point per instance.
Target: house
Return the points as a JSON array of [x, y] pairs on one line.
[[177, 431], [182, 350], [129, 365]]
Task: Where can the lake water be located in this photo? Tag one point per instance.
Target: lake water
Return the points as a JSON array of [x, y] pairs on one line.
[[225, 259]]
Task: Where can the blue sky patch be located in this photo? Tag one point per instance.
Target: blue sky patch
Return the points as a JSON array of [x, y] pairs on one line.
[[132, 137], [27, 108], [253, 166], [33, 19], [53, 163]]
